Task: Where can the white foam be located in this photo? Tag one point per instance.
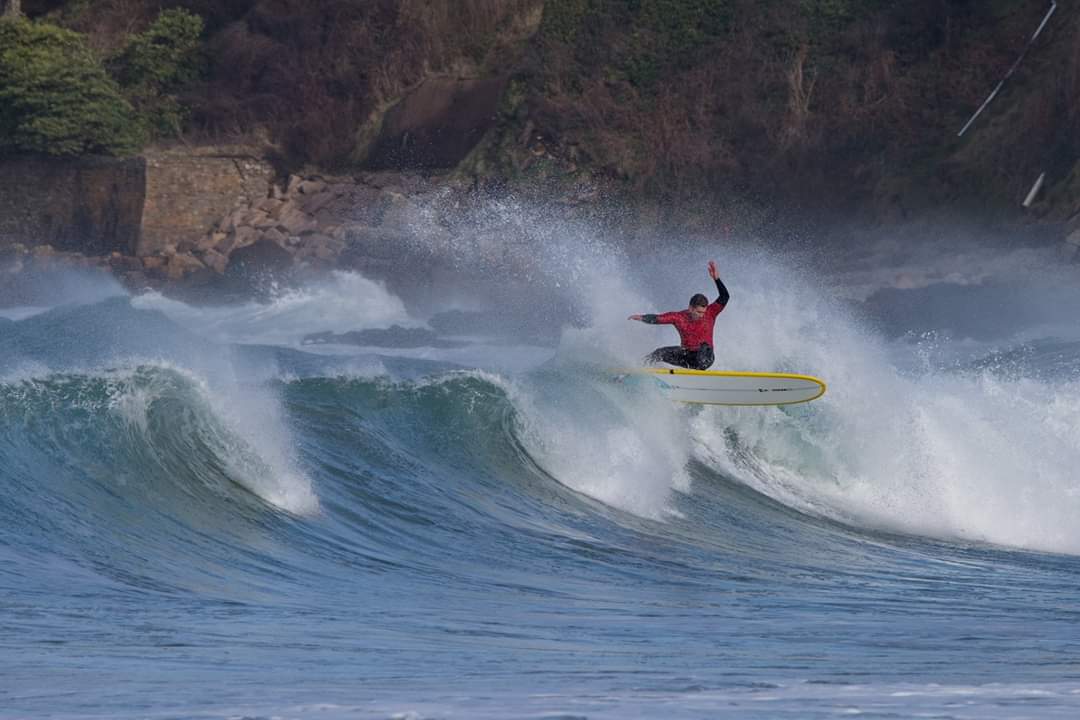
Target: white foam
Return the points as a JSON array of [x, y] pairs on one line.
[[22, 312], [974, 457], [897, 443], [343, 301]]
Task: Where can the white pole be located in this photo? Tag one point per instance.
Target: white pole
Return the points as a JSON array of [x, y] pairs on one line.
[[1034, 190], [1038, 31]]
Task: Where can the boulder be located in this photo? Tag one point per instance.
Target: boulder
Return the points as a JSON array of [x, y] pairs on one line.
[[294, 221], [180, 265], [260, 220], [243, 237], [215, 261], [269, 205], [259, 260], [228, 223], [276, 236], [211, 240], [315, 203], [311, 187], [322, 246]]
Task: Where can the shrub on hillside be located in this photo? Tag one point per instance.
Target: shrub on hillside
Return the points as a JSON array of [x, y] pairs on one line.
[[55, 96], [156, 63]]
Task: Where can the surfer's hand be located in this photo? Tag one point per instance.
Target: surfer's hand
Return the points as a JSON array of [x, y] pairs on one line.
[[634, 317], [712, 270]]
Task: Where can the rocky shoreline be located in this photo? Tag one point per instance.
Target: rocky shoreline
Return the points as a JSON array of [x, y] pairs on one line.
[[214, 223], [300, 226], [303, 225]]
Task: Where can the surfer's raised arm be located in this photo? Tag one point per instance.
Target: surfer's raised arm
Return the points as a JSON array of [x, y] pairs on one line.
[[715, 275]]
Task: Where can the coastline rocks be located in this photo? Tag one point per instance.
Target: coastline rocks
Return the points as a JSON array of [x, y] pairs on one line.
[[181, 265], [304, 224], [260, 259], [315, 222], [216, 261]]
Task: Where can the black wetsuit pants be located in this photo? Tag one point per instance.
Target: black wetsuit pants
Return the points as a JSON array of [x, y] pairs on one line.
[[700, 359]]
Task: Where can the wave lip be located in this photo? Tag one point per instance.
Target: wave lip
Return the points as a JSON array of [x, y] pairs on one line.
[[158, 423]]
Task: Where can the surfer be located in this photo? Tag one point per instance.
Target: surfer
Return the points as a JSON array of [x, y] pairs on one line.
[[695, 326]]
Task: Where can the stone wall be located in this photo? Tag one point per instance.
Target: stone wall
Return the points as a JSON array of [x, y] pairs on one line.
[[90, 205], [189, 190]]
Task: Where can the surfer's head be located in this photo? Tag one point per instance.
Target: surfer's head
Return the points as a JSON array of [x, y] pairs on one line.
[[698, 303]]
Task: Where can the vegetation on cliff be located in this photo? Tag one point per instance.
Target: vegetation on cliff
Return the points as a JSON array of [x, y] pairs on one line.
[[818, 103], [827, 102], [157, 63], [60, 97], [56, 98]]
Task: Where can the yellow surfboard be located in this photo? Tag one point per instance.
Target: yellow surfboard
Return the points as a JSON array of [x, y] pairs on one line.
[[728, 387]]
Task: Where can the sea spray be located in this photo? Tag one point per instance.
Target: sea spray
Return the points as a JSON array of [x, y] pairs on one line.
[[623, 445], [905, 446], [342, 301]]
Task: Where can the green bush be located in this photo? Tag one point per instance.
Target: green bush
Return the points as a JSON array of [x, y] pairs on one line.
[[166, 55], [562, 19], [672, 35], [55, 96], [685, 25], [156, 63], [830, 11]]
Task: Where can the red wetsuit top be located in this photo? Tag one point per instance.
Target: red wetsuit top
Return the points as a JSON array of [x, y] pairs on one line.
[[694, 333]]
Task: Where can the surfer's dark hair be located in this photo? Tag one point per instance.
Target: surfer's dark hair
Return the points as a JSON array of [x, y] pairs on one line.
[[699, 300]]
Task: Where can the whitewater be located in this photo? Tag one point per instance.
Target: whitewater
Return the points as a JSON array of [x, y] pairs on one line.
[[206, 514]]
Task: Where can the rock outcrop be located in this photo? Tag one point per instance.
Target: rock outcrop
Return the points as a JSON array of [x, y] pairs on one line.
[[306, 224], [312, 223]]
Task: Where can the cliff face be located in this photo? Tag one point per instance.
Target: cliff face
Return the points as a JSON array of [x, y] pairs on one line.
[[825, 105], [821, 104]]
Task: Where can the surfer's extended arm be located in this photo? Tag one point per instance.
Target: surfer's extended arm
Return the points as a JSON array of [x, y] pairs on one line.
[[662, 319], [724, 294]]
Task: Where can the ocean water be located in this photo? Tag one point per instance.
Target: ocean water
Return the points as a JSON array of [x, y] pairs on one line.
[[201, 516]]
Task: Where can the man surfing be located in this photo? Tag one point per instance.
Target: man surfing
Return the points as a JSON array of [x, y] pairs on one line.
[[695, 326]]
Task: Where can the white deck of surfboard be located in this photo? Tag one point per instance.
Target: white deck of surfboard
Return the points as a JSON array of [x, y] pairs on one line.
[[720, 387]]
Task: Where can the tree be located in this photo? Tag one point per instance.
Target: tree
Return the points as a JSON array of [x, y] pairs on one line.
[[55, 96], [156, 63], [12, 8]]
